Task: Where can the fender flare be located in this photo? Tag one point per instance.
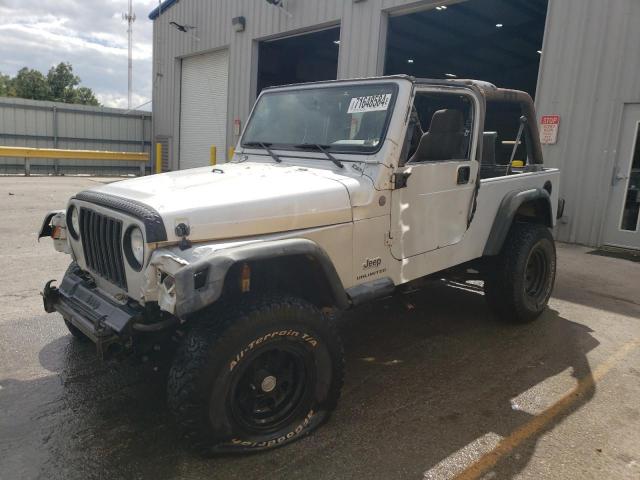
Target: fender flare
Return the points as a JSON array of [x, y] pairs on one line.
[[510, 204], [216, 265]]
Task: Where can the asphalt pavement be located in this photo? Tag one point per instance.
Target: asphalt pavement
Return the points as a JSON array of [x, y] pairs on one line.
[[435, 387]]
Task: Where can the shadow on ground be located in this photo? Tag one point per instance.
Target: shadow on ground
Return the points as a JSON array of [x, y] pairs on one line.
[[427, 374]]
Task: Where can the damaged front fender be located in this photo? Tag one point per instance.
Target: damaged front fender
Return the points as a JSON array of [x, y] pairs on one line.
[[160, 279], [194, 279]]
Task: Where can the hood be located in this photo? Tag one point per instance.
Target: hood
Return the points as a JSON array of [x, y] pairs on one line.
[[241, 199]]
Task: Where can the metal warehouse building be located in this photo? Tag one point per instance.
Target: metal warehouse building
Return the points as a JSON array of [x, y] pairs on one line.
[[580, 59]]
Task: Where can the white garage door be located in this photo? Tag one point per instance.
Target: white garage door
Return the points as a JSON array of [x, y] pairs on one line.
[[203, 109]]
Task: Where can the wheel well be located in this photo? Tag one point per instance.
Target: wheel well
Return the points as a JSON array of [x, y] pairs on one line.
[[535, 211], [298, 275]]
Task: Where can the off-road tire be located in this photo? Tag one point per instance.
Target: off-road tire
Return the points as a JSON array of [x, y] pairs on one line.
[[519, 281], [75, 331], [214, 372]]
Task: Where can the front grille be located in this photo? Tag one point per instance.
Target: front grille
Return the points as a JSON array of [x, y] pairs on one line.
[[101, 241]]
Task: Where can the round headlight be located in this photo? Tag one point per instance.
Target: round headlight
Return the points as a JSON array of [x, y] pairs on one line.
[[137, 245], [74, 224]]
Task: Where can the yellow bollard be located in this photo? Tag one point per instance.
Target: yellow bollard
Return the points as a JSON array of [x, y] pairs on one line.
[[232, 152], [158, 157], [213, 155]]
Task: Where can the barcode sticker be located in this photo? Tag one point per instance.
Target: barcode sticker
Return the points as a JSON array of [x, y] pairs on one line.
[[372, 103]]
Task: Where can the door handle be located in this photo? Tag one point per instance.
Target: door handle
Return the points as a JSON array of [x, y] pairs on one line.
[[464, 175]]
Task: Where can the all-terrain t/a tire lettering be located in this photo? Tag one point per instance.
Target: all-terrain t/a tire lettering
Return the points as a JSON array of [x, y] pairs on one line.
[[267, 373]]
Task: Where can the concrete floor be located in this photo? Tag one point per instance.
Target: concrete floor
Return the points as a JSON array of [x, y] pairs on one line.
[[435, 387]]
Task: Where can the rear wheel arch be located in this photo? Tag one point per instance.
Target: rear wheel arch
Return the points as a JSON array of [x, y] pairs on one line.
[[527, 206]]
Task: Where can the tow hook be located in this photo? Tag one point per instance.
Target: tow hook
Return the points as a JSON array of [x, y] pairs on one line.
[[50, 297]]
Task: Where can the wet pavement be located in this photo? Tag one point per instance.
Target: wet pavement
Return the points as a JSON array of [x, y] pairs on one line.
[[435, 387]]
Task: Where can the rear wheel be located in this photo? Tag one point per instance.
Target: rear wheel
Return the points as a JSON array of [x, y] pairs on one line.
[[266, 374], [519, 281]]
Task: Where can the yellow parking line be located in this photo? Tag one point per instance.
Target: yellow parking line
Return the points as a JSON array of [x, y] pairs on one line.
[[539, 422]]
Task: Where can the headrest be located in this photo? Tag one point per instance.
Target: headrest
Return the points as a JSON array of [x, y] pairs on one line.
[[489, 148], [371, 125], [447, 121]]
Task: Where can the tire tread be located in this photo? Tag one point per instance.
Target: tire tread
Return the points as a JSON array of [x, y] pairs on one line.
[[500, 283], [185, 396]]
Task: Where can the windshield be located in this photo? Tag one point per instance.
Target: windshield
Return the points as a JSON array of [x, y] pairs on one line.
[[350, 118]]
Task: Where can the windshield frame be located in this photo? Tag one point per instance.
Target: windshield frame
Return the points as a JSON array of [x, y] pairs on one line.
[[338, 149]]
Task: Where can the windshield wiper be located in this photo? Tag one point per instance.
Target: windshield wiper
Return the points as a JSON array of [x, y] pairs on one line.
[[264, 146], [320, 148]]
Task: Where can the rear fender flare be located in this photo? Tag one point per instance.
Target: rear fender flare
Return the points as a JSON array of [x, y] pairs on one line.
[[507, 212]]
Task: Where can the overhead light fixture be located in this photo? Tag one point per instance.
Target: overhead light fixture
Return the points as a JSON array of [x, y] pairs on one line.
[[451, 75], [499, 25], [410, 60], [337, 42], [539, 52], [238, 23], [441, 7]]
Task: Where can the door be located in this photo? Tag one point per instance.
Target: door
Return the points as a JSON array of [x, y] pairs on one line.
[[203, 108], [623, 217], [432, 210]]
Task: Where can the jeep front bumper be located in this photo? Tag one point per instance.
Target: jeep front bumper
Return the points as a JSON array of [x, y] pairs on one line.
[[79, 302]]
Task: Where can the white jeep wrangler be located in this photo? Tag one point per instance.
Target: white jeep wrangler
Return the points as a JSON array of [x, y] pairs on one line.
[[339, 193]]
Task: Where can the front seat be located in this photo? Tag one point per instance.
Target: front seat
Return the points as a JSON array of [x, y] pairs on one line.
[[445, 138]]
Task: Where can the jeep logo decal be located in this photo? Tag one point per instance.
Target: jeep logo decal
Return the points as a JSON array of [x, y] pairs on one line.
[[371, 263]]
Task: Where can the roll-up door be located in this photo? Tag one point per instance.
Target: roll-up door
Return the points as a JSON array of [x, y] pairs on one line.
[[203, 108]]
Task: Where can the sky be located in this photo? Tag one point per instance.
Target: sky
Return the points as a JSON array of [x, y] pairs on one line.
[[90, 34]]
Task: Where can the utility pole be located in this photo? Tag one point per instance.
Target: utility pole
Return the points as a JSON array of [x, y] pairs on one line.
[[130, 17]]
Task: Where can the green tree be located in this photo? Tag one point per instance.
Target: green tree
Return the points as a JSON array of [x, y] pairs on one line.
[[60, 85], [6, 86], [31, 84], [85, 96], [62, 82]]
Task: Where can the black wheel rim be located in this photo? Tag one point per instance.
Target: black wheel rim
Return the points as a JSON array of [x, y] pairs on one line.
[[271, 388], [536, 274]]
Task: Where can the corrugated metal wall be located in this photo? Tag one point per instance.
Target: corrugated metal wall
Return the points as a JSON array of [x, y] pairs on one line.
[[30, 123], [590, 68]]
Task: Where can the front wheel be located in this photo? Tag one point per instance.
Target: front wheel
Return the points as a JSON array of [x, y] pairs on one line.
[[519, 281], [263, 375], [75, 331]]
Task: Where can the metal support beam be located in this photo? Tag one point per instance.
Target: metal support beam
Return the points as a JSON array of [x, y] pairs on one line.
[[23, 152]]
